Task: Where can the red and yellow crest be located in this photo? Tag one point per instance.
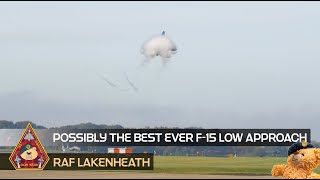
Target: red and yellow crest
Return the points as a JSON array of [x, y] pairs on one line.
[[29, 153]]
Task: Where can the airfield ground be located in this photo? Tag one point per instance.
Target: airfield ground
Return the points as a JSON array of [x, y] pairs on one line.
[[50, 174], [177, 167]]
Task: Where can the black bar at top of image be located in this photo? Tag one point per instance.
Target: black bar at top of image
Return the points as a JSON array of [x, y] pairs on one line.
[[221, 137]]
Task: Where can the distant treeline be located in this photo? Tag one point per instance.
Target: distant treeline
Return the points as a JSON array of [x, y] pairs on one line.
[[23, 124], [167, 150], [18, 125]]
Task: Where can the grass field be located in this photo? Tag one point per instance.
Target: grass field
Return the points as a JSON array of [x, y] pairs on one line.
[[214, 165], [175, 167], [217, 165]]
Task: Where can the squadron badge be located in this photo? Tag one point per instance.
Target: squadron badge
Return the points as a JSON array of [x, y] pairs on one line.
[[29, 153]]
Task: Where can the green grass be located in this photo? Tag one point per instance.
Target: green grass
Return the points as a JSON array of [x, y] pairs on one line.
[[217, 165]]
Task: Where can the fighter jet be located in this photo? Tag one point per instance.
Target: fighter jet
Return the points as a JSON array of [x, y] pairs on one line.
[[159, 45], [173, 49], [29, 136], [17, 160]]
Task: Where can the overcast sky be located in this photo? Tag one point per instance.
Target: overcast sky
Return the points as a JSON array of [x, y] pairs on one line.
[[239, 64]]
